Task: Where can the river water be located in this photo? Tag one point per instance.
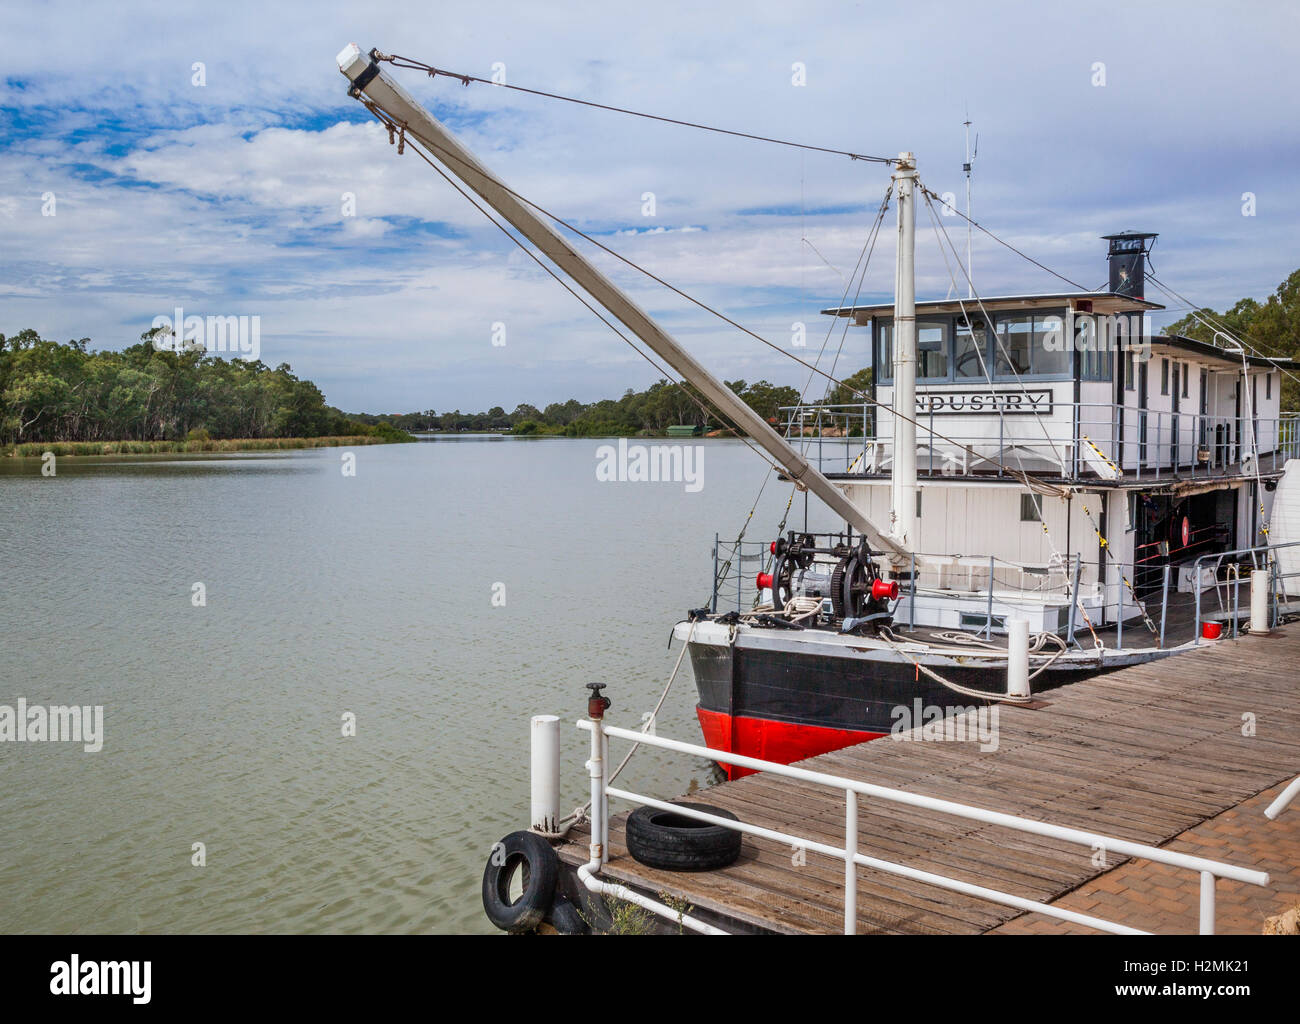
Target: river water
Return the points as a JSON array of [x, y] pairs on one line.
[[327, 595]]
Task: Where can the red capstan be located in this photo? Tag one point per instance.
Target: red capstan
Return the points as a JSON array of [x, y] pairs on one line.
[[764, 581], [879, 589]]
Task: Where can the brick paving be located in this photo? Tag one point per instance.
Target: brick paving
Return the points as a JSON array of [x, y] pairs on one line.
[[1167, 900]]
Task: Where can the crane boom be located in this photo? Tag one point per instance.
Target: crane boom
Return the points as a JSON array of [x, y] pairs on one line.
[[368, 79]]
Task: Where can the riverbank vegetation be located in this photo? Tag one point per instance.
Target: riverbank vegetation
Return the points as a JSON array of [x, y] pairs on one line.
[[52, 392], [647, 413], [1271, 327], [36, 449]]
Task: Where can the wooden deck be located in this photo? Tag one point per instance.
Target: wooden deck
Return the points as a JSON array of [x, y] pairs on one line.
[[1144, 754]]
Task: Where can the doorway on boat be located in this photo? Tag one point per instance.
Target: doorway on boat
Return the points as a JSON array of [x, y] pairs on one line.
[[1176, 530]]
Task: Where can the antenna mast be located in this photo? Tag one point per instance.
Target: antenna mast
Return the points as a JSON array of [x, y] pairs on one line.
[[970, 273]]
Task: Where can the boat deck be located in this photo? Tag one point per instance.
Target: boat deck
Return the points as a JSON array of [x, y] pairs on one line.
[[1145, 753]]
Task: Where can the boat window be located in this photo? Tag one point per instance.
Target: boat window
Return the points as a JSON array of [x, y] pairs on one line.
[[1015, 344], [1164, 376], [1268, 386], [931, 351], [970, 348], [1094, 351], [1050, 354], [885, 350], [1130, 376]]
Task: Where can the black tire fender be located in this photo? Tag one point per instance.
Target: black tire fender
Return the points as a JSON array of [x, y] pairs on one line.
[[530, 853], [566, 919], [674, 842]]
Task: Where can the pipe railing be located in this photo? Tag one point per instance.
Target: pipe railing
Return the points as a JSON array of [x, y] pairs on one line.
[[1209, 870], [989, 586], [1229, 564], [1072, 440]]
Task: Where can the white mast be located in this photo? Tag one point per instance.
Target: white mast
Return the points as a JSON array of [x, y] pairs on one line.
[[903, 475], [970, 273], [390, 97]]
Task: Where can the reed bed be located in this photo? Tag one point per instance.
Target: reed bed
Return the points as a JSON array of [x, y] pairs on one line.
[[234, 444]]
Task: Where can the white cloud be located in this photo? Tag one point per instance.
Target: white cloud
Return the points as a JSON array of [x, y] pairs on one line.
[[229, 197]]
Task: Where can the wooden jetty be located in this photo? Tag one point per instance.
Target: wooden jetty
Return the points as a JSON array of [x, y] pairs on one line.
[[1144, 754]]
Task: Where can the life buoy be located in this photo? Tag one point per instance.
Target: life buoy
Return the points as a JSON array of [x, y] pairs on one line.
[[1187, 532], [532, 855], [674, 842]]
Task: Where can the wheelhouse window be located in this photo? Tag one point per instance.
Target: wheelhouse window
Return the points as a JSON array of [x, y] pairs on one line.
[[957, 348], [970, 348], [1016, 345], [1164, 376], [1130, 371], [1094, 351], [932, 351]]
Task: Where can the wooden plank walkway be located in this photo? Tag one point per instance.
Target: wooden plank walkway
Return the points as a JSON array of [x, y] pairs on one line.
[[1144, 754]]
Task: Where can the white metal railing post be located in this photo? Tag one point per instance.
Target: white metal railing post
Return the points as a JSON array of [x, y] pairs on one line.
[[604, 796], [545, 779], [596, 768], [1284, 798], [850, 862], [1207, 902]]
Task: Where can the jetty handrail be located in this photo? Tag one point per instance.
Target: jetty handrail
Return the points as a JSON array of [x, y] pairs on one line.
[[1210, 870], [1260, 552]]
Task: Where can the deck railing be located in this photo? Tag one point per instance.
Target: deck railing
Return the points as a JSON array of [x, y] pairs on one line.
[[1073, 441], [1140, 598], [1209, 870], [1231, 567]]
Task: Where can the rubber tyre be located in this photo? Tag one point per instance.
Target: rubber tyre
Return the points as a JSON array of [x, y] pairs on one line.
[[674, 842], [532, 854], [565, 919]]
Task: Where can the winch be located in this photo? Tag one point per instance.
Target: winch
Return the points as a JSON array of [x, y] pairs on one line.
[[843, 571]]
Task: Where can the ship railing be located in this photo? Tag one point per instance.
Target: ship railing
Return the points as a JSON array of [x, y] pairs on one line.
[[1139, 598], [1210, 871], [1071, 440], [1225, 572]]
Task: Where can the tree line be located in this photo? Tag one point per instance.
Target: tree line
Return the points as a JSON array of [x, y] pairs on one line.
[[53, 391], [650, 412], [1272, 326]]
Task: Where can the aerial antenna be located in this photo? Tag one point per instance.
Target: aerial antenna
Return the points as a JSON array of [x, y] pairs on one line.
[[966, 167]]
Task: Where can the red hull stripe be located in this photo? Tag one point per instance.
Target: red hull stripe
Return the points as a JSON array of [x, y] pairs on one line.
[[782, 742]]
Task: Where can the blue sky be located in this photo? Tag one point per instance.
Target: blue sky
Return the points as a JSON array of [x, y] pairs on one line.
[[227, 198]]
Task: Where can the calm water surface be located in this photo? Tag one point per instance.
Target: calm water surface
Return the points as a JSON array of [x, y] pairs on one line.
[[325, 595]]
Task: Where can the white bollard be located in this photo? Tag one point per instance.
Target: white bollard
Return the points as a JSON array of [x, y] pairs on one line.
[[1259, 601], [1017, 657], [545, 816]]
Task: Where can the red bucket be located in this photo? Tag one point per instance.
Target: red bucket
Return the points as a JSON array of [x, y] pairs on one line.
[[1211, 630]]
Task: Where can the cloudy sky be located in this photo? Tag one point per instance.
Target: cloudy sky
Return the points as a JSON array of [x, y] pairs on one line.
[[227, 197]]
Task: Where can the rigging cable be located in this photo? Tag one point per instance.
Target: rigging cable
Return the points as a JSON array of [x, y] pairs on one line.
[[433, 72], [393, 127]]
